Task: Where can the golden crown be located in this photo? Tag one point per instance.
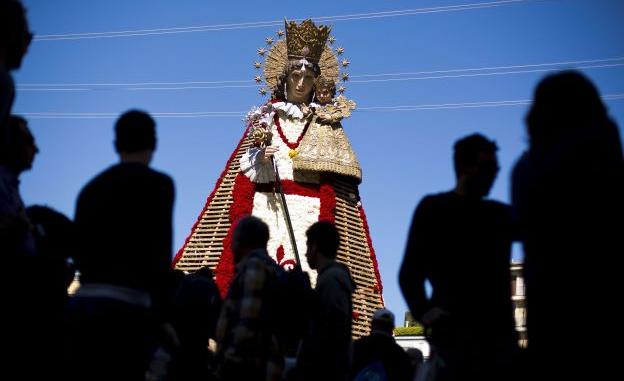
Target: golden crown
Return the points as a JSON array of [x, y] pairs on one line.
[[279, 51], [306, 40]]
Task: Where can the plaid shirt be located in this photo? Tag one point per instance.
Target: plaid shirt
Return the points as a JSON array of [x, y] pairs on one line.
[[248, 348]]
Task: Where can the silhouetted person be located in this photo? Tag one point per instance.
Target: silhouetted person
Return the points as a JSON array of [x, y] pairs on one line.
[[568, 197], [55, 237], [168, 341], [461, 244], [196, 309], [14, 40], [379, 353], [326, 349], [123, 217], [49, 275], [416, 360], [18, 248], [248, 348]]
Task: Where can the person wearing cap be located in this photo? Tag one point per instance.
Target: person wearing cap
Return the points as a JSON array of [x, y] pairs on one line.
[[380, 351]]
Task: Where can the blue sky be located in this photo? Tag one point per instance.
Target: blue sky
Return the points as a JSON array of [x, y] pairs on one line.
[[405, 153]]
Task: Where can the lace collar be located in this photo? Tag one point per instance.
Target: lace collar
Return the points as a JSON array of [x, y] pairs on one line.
[[290, 109]]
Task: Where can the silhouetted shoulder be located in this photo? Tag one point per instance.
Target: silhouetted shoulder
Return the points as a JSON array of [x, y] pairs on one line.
[[338, 274], [438, 197], [131, 174], [165, 180], [498, 206], [435, 200], [429, 207]]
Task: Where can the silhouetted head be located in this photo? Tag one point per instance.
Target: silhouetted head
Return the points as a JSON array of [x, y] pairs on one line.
[[476, 165], [15, 37], [322, 241], [135, 134], [57, 232], [383, 321], [171, 280], [205, 272], [251, 233], [563, 102], [56, 241], [21, 150]]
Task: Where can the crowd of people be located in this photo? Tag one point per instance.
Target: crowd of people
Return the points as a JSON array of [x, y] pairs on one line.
[[566, 211], [136, 318]]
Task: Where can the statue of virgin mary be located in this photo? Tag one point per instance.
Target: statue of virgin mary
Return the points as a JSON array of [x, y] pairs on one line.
[[294, 166]]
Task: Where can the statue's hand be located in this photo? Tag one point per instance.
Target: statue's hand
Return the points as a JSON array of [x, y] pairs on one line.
[[269, 151]]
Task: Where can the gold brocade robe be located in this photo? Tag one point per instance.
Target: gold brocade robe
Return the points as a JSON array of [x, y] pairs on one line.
[[325, 148]]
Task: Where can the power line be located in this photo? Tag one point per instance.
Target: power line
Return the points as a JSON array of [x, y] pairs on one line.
[[240, 114], [479, 74], [456, 73], [136, 83], [560, 63], [51, 89], [138, 88], [273, 23], [112, 115], [449, 106], [613, 97], [444, 105]]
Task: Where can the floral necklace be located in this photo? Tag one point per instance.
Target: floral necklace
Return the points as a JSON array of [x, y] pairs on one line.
[[293, 146]]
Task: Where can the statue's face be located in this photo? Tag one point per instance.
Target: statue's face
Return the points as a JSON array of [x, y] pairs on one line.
[[299, 85], [324, 94]]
